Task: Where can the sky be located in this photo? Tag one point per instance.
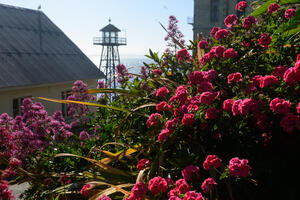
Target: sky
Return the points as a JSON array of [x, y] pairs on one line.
[[139, 20]]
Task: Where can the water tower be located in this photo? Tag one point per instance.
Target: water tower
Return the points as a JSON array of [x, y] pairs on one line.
[[110, 58]]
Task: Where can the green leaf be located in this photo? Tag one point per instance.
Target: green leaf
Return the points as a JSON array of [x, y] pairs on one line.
[[263, 8]]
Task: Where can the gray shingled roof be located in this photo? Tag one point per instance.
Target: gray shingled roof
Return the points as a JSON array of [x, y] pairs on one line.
[[33, 50], [110, 28]]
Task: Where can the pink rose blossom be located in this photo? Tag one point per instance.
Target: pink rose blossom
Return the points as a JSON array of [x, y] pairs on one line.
[[230, 20], [290, 13], [211, 113], [221, 34], [214, 30], [211, 161], [203, 44], [208, 184], [235, 107], [138, 191], [183, 56], [289, 121], [85, 190], [268, 81], [162, 106], [240, 6], [210, 75], [239, 167], [280, 106], [104, 197], [153, 120], [290, 76], [279, 71], [189, 172], [298, 108], [274, 7], [164, 135], [188, 119], [192, 195], [234, 77], [161, 92], [182, 186], [142, 164], [207, 97], [218, 51], [196, 77], [230, 53], [84, 136], [248, 21], [157, 185], [265, 40], [227, 104], [205, 87]]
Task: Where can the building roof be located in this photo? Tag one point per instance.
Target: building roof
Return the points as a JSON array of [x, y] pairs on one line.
[[33, 51], [110, 28]]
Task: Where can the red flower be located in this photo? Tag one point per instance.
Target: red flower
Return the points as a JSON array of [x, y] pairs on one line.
[[280, 106], [153, 120], [227, 104], [248, 21], [234, 77], [208, 184], [290, 76], [161, 92], [230, 53], [239, 167], [188, 119], [196, 77], [240, 6], [279, 71], [157, 185], [267, 81], [207, 97], [162, 106], [274, 7], [217, 51], [289, 121], [290, 13], [85, 190], [203, 44], [220, 34], [142, 164], [230, 20], [164, 135], [211, 113], [211, 161], [192, 195], [205, 86], [182, 186], [189, 172], [235, 107], [265, 40], [157, 72], [183, 55], [298, 108], [214, 30]]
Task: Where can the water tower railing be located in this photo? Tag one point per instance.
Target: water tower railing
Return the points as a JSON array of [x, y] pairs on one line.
[[109, 41]]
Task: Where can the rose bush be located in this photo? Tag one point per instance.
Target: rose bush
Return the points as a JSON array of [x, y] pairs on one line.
[[222, 124]]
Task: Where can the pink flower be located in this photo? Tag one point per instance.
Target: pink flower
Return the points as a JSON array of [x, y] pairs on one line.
[[196, 77], [220, 34], [210, 75], [142, 164], [157, 72], [214, 30], [203, 44], [164, 135], [161, 92], [85, 190], [183, 55], [182, 186], [280, 106], [212, 161], [247, 105], [192, 195], [274, 7], [205, 86], [84, 136], [5, 193], [188, 119], [170, 124], [206, 58], [207, 97], [290, 13], [208, 184], [157, 185], [289, 121], [218, 51], [189, 172], [248, 21], [230, 20], [297, 70], [298, 108], [290, 76], [227, 104], [153, 120], [240, 6], [139, 190], [267, 81], [265, 40], [235, 107], [174, 198], [211, 113], [239, 167], [279, 71], [234, 77], [230, 53], [162, 106], [104, 197], [180, 94], [15, 162]]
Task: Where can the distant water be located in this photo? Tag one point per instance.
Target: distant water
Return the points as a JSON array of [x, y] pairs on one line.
[[134, 64]]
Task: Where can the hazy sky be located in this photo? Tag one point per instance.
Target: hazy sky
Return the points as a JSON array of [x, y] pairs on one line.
[[81, 20]]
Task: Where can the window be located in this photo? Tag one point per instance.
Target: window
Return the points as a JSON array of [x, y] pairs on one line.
[[214, 10], [17, 103], [64, 107]]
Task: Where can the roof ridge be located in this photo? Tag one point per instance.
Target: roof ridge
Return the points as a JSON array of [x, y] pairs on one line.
[[19, 8]]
